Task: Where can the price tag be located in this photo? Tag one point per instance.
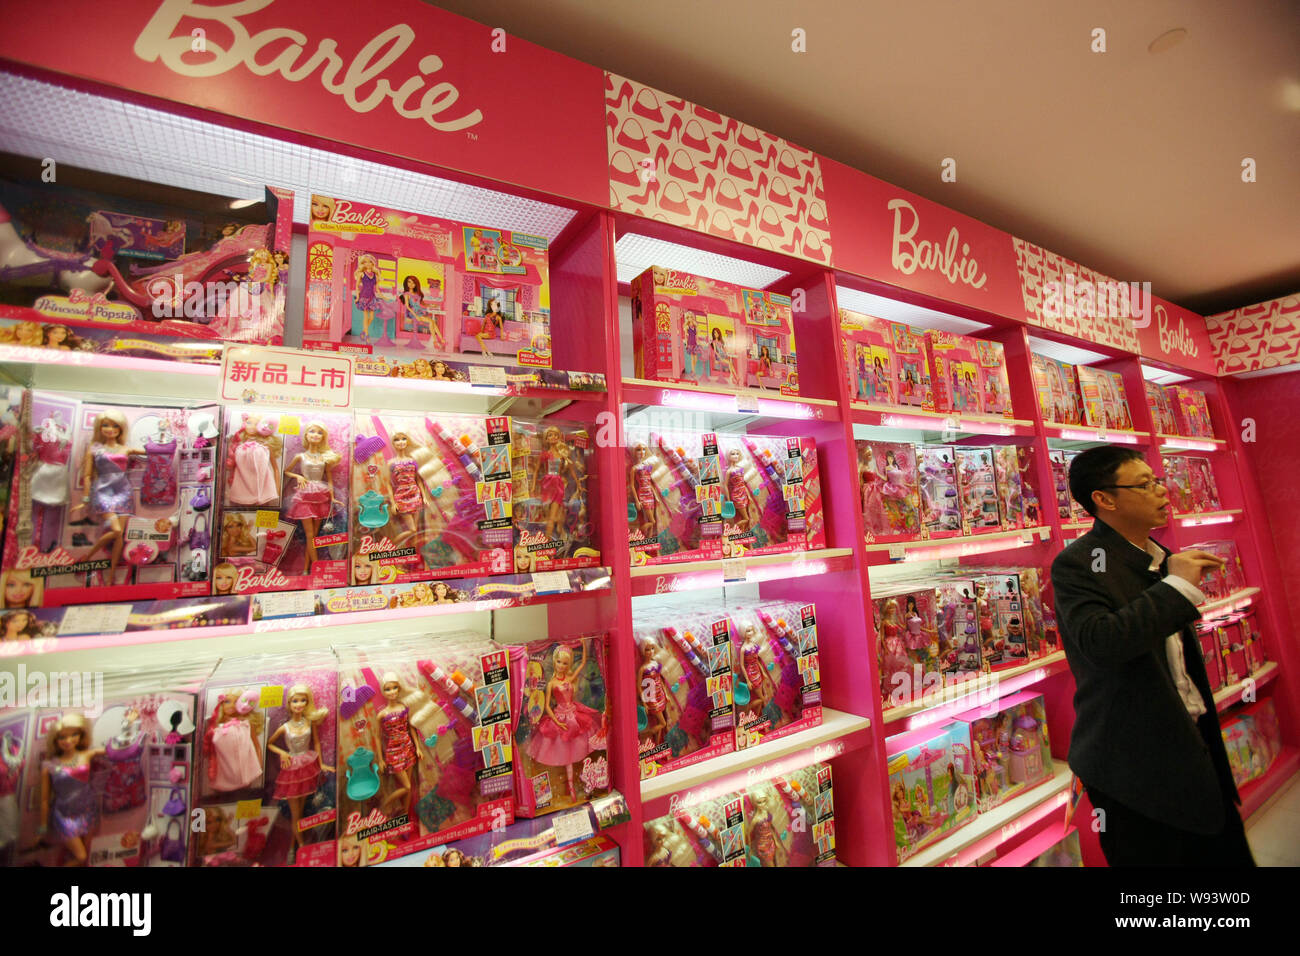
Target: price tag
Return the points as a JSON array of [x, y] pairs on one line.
[[287, 604], [733, 569], [896, 552], [572, 827], [490, 376], [747, 404], [551, 582], [289, 425], [248, 809], [268, 519], [94, 619], [272, 696], [1027, 537]]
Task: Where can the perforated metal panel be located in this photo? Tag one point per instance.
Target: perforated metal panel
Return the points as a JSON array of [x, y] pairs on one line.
[[635, 254], [916, 316]]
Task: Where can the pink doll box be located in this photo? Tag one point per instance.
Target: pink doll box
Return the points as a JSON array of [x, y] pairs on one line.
[[703, 833], [774, 656], [1010, 749], [1077, 511], [995, 386], [133, 778], [908, 642], [1222, 582], [957, 625], [674, 497], [685, 711], [433, 497], [1061, 481], [1038, 638], [1001, 604], [106, 499], [771, 491], [931, 792], [1250, 638], [1160, 405], [687, 328], [1192, 413], [1231, 652], [1042, 387], [1057, 384], [597, 851], [1200, 478], [283, 521], [1178, 482], [1011, 501], [378, 277], [955, 371], [1236, 742], [1211, 654], [1267, 735], [446, 763], [106, 269], [912, 368], [868, 346], [1090, 390], [790, 819], [561, 721], [940, 499], [1117, 413], [554, 527], [770, 360], [977, 482], [1033, 508], [891, 502], [813, 787]]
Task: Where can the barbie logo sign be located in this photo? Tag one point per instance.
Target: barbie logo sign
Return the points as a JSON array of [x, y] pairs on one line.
[[909, 254], [1178, 339], [283, 50]]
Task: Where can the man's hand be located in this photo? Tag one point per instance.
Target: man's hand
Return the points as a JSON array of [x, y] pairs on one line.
[[1191, 565]]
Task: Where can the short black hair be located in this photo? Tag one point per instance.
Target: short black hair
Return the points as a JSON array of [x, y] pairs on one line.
[[1094, 469]]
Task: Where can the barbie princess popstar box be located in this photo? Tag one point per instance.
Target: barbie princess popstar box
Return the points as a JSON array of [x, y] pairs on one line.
[[106, 502], [771, 495], [688, 328], [561, 723], [283, 520], [956, 373], [868, 345], [433, 497], [776, 671], [674, 496], [891, 503], [912, 368], [1009, 747], [379, 278], [425, 747], [553, 483], [931, 791]]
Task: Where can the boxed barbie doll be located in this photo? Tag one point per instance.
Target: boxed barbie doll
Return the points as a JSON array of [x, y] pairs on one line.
[[1200, 480], [912, 368], [1178, 483], [977, 482], [790, 819], [931, 790], [940, 500], [1192, 413], [706, 833], [554, 528], [1011, 500], [907, 640], [771, 491], [674, 496], [1057, 385], [955, 372], [868, 344], [1160, 404], [995, 386], [1010, 751], [891, 500], [776, 677]]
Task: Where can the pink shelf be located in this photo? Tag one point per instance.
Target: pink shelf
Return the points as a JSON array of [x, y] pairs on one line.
[[1227, 696], [1177, 443], [959, 547], [1206, 517], [1034, 847], [994, 426], [694, 575], [1257, 793], [764, 404], [1087, 433]]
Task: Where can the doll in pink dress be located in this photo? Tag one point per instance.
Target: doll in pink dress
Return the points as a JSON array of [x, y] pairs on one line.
[[739, 493], [252, 454], [894, 659], [231, 744], [649, 511], [301, 766], [553, 468], [563, 735], [398, 750], [313, 499]]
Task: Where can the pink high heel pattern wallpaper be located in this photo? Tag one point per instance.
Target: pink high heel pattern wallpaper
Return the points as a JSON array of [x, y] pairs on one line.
[[1039, 268], [1257, 336], [712, 173]]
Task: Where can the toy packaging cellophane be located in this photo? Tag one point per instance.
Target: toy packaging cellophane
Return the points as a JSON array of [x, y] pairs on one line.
[[1160, 403], [674, 496], [891, 501], [685, 693], [1200, 479], [977, 482], [1178, 481], [957, 623], [105, 501], [995, 385], [955, 371], [424, 744], [940, 500], [1192, 413], [688, 328], [1010, 750], [111, 274], [1002, 619], [433, 497], [561, 719], [790, 819], [912, 367], [1057, 385], [125, 798], [1006, 472], [705, 833], [379, 278], [283, 522], [771, 492], [265, 776], [868, 345], [931, 792], [775, 659], [1066, 853], [907, 640], [551, 468]]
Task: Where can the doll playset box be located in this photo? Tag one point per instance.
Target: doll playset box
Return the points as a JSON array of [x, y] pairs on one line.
[[1160, 403], [265, 775], [688, 328], [776, 671], [891, 498], [434, 497], [931, 791], [1222, 582], [425, 747], [378, 277], [771, 495], [561, 718], [914, 385], [94, 272], [1192, 412], [110, 502], [1009, 749], [283, 524], [981, 509], [1105, 403], [1252, 739], [956, 372], [995, 386], [1057, 386], [868, 346], [940, 498], [551, 476], [685, 688], [675, 496]]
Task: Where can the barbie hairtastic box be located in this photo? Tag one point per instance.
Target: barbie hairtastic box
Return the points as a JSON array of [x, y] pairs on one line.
[[105, 499], [380, 277]]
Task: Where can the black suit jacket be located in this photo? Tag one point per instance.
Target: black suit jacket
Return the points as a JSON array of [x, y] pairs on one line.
[[1133, 738]]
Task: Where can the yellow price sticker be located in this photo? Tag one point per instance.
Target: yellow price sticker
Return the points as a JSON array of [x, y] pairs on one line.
[[268, 519], [289, 425], [248, 809], [271, 697]]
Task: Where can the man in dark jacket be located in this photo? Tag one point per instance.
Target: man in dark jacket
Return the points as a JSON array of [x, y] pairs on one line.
[[1146, 741]]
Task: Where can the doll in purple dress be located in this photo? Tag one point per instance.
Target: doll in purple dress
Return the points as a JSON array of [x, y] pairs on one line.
[[366, 294], [69, 805], [106, 488]]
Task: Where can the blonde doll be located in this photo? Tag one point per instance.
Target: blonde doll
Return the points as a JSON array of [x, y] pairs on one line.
[[252, 457], [68, 801], [553, 467], [398, 749], [407, 471], [232, 742], [301, 766], [235, 536], [106, 489], [366, 294], [322, 208], [313, 499], [224, 576], [20, 589], [218, 834]]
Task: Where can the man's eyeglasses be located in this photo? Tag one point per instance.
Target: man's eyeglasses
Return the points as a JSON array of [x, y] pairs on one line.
[[1146, 487]]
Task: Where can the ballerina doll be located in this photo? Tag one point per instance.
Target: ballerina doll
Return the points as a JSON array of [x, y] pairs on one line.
[[67, 799], [106, 488], [231, 744], [562, 737], [549, 477], [366, 292], [313, 499], [252, 454], [739, 493], [655, 696], [301, 766], [398, 749], [761, 834]]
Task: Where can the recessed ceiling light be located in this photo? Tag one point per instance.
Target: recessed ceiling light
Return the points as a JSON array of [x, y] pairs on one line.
[[1291, 95], [1167, 40], [243, 203]]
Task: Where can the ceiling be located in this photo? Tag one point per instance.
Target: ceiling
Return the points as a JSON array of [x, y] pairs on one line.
[[1127, 161]]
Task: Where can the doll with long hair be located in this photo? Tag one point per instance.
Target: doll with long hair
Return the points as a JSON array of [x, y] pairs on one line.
[[656, 698], [408, 480], [554, 467], [493, 324], [736, 487], [236, 539], [301, 766], [366, 289], [412, 299], [106, 488], [252, 458], [761, 832], [563, 734], [20, 625], [751, 670], [232, 742], [69, 805], [720, 361], [19, 589], [313, 497], [398, 749], [650, 512]]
